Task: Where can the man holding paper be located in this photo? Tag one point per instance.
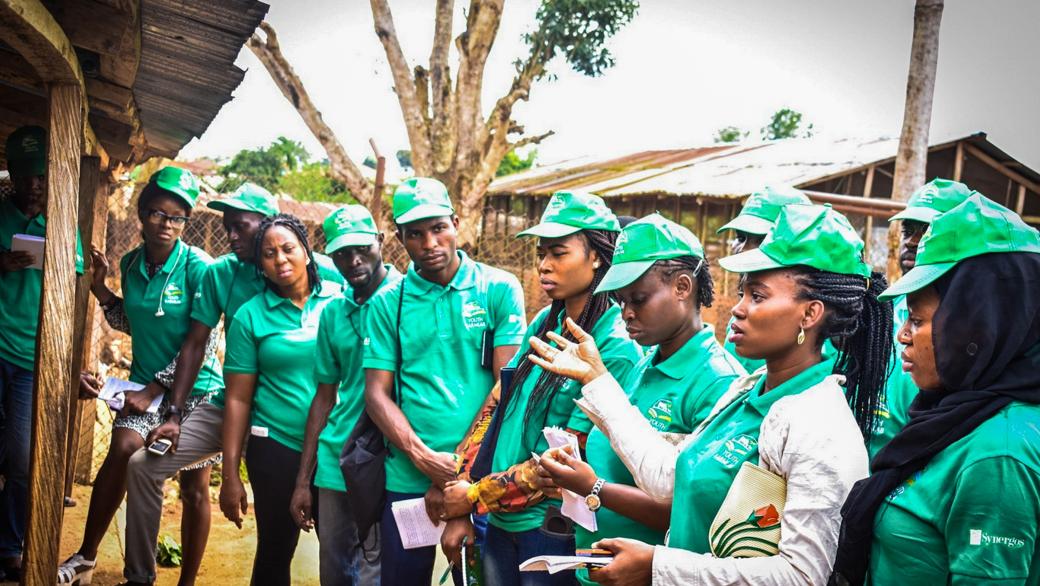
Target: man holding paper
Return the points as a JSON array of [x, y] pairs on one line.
[[21, 214]]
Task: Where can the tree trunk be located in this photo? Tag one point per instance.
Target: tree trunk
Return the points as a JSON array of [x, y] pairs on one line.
[[917, 115]]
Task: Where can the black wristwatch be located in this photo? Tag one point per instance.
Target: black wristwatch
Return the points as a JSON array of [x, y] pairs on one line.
[[175, 411]]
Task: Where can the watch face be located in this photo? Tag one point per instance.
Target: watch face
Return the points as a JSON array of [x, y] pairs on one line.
[[592, 502]]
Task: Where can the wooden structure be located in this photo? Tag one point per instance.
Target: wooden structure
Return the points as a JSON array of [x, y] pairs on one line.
[[703, 188], [114, 82]]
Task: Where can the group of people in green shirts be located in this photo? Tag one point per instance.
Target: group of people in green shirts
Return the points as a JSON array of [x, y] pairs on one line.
[[896, 426]]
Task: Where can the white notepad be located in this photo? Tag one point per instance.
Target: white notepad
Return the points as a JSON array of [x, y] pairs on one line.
[[31, 244], [114, 390], [414, 525], [560, 563], [574, 505]]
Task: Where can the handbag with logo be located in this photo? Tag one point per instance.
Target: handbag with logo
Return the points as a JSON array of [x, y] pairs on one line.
[[748, 522]]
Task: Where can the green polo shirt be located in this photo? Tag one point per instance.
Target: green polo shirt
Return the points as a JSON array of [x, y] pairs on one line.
[[620, 355], [674, 395], [900, 390], [704, 471], [156, 339], [971, 515], [443, 385], [275, 340], [339, 352], [20, 290]]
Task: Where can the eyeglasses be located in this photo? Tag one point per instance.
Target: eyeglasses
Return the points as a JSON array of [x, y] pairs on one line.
[[157, 217]]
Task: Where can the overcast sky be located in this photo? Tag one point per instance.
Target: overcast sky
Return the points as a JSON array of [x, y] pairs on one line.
[[684, 69]]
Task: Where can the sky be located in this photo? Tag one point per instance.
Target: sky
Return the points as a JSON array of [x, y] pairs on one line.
[[685, 68]]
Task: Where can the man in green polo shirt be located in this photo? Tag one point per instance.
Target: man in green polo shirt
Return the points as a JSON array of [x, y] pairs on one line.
[[928, 201], [20, 285], [751, 225], [460, 322], [356, 246], [229, 283]]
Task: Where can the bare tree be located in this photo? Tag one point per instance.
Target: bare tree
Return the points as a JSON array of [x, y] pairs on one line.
[[917, 115], [451, 136]]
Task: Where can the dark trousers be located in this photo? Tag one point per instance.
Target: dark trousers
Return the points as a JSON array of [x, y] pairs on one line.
[[272, 475], [504, 551], [16, 388]]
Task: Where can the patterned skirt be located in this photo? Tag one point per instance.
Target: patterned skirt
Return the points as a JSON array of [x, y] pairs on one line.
[[144, 423]]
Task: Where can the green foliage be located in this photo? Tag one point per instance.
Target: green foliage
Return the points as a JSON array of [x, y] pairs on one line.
[[579, 30], [514, 163], [313, 183], [169, 554], [784, 124], [730, 134], [404, 158], [263, 166]]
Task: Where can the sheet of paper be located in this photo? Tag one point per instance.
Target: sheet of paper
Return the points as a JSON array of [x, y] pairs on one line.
[[113, 393], [414, 525], [573, 505], [31, 244], [559, 563]]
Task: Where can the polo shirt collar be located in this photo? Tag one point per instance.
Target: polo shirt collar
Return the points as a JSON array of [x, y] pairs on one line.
[[689, 358], [171, 261], [391, 277], [9, 209], [465, 277], [273, 299], [809, 377]]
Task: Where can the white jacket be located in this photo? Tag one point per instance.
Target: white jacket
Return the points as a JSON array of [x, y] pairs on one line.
[[811, 439]]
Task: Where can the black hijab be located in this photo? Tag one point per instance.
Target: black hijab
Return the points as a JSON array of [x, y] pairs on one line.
[[987, 322]]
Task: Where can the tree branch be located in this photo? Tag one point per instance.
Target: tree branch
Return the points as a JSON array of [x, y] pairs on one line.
[[442, 116], [527, 140], [474, 45], [411, 110], [341, 167]]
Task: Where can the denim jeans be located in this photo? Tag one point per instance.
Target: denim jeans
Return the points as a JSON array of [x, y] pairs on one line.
[[407, 567], [341, 561], [16, 398], [504, 551]]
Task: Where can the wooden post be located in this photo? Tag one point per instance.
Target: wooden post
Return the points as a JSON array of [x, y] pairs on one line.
[[868, 187], [1021, 203], [958, 161], [92, 200], [54, 338]]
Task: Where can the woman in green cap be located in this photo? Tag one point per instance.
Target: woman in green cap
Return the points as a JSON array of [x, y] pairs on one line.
[[954, 497], [269, 370], [662, 279], [806, 283], [576, 238], [159, 279]]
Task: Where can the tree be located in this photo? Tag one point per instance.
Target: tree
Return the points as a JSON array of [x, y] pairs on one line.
[[730, 134], [514, 163], [263, 166], [912, 156], [451, 137], [311, 182], [784, 124]]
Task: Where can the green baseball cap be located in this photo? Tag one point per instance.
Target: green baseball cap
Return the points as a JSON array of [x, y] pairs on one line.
[[762, 208], [249, 197], [27, 152], [933, 198], [568, 212], [419, 198], [810, 235], [179, 182], [350, 225], [644, 242], [977, 226]]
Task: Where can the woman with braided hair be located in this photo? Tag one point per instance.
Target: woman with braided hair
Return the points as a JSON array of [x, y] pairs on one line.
[[576, 236], [755, 490], [269, 375]]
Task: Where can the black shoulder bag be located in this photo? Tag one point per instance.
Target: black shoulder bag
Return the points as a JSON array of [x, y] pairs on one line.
[[363, 458]]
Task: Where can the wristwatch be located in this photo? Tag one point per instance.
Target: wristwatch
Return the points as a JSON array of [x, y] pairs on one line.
[[592, 500], [175, 411]]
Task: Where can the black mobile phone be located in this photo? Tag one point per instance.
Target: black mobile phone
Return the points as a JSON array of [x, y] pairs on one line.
[[160, 446], [487, 349]]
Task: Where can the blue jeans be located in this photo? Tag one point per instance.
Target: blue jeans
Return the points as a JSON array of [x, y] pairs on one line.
[[504, 551], [341, 560], [16, 398], [407, 567]]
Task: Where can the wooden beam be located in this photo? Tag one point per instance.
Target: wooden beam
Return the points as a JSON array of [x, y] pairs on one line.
[[1020, 205], [29, 28], [54, 338], [1018, 178], [92, 200], [868, 230], [868, 184], [958, 161]]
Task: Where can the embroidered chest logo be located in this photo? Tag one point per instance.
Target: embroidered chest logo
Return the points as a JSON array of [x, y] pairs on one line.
[[474, 315], [660, 414], [173, 294], [736, 450], [980, 538]]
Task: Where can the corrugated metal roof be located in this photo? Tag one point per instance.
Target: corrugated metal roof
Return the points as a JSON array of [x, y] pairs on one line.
[[716, 171]]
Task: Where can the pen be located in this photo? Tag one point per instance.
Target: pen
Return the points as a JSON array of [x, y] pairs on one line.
[[447, 572]]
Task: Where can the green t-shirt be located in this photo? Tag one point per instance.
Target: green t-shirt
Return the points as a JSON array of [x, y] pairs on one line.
[[159, 311], [20, 290], [443, 385], [675, 396], [275, 340], [971, 515], [340, 346], [704, 471], [900, 391], [620, 355]]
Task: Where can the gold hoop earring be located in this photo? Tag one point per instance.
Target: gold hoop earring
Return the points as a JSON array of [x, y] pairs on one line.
[[801, 336]]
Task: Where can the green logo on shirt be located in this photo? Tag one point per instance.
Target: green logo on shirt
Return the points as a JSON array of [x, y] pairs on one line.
[[981, 538], [660, 414], [473, 315], [736, 450], [173, 295]]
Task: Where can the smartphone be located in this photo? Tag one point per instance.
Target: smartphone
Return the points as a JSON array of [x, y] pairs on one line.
[[160, 446]]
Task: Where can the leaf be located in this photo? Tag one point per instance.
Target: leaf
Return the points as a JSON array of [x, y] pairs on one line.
[[169, 554]]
